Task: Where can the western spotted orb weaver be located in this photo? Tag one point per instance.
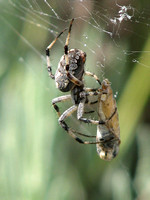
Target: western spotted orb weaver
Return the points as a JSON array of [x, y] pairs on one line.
[[69, 77]]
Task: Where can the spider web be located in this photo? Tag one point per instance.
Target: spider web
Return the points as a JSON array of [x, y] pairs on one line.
[[111, 24], [101, 29]]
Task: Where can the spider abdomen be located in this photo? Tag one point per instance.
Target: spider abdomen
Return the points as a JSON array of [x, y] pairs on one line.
[[77, 60]]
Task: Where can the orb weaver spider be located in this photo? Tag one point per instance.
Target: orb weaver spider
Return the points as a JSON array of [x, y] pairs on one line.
[[69, 77]]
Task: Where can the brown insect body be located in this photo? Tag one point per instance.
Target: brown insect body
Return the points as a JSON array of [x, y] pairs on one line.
[[108, 133]]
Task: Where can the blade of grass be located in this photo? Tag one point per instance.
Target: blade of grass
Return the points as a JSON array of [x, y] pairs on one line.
[[134, 98]]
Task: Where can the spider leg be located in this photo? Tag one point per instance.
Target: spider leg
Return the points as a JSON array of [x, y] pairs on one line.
[[72, 132], [60, 99], [108, 136], [66, 114], [80, 113], [49, 68], [63, 124], [80, 110], [93, 75], [67, 43], [91, 103], [69, 130], [70, 76], [94, 91], [96, 122], [88, 112], [90, 92]]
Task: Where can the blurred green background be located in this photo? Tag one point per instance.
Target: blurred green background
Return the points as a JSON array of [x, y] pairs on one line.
[[38, 160]]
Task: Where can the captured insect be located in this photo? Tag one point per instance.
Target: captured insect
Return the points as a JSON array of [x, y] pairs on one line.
[[69, 77], [108, 134]]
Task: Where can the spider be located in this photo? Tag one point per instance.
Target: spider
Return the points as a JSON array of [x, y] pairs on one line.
[[69, 77]]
